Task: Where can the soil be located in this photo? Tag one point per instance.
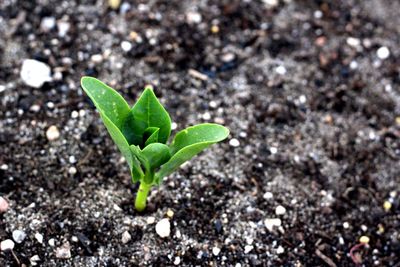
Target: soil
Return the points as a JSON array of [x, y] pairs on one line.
[[313, 109]]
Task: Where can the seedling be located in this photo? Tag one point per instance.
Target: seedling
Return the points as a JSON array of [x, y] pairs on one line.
[[141, 133]]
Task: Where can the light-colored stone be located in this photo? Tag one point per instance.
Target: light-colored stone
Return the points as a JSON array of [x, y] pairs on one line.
[[163, 228], [126, 237], [39, 237], [270, 223], [52, 133], [35, 73], [64, 252], [280, 210], [216, 251], [18, 236], [383, 52], [3, 205], [7, 244]]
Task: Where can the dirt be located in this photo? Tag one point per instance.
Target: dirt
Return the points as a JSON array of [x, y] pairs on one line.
[[311, 99]]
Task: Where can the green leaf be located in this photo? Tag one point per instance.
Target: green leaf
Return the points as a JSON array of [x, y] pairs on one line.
[[113, 110], [148, 112], [189, 142], [150, 135], [107, 100], [156, 154]]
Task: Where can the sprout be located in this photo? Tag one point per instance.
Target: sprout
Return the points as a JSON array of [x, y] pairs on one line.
[[141, 133]]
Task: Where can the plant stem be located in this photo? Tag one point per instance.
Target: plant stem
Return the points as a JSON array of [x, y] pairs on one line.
[[141, 197]]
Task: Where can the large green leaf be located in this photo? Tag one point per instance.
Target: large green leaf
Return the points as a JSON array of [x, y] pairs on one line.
[[107, 100], [189, 142], [113, 110], [148, 112], [157, 154]]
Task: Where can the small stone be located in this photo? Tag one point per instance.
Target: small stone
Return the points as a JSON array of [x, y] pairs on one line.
[[150, 220], [346, 225], [126, 46], [280, 210], [318, 14], [163, 228], [248, 248], [34, 108], [280, 250], [271, 3], [97, 58], [72, 170], [63, 28], [281, 70], [3, 205], [170, 213], [234, 142], [387, 205], [4, 167], [270, 223], [354, 42], [383, 52], [72, 159], [268, 195], [273, 150], [114, 4], [18, 236], [34, 260], [52, 242], [35, 73], [228, 57], [126, 237], [364, 239], [193, 17], [214, 29], [47, 24], [64, 252], [52, 133], [216, 251], [39, 237], [7, 244], [177, 260]]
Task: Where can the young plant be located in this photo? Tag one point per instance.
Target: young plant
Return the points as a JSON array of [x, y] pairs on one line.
[[141, 133]]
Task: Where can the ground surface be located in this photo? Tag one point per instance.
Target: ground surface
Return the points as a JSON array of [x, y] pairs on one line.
[[312, 104]]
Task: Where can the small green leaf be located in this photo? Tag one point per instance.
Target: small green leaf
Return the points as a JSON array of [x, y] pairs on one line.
[[148, 112], [150, 135], [156, 154], [107, 100], [189, 142]]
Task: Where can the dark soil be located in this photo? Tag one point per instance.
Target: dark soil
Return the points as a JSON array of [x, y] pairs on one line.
[[316, 114]]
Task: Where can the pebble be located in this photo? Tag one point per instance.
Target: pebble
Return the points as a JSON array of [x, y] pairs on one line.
[[39, 238], [72, 170], [163, 228], [193, 17], [273, 150], [52, 133], [364, 239], [248, 248], [7, 244], [47, 24], [18, 236], [34, 108], [34, 259], [228, 57], [4, 167], [35, 73], [170, 213], [177, 260], [72, 159], [268, 195], [351, 41], [126, 46], [97, 58], [280, 250], [63, 28], [216, 251], [387, 205], [280, 210], [270, 223], [346, 225], [214, 29], [280, 70], [126, 237], [63, 252], [150, 220], [114, 4], [271, 3], [3, 205], [234, 142], [383, 52], [52, 242]]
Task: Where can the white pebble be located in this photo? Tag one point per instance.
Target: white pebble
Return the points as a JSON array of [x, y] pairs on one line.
[[126, 46], [34, 108], [351, 41], [52, 133], [18, 236], [280, 250], [248, 248], [52, 242], [63, 28], [39, 238], [270, 223], [206, 116], [4, 167], [3, 205], [280, 70], [7, 244], [346, 225], [318, 14], [216, 251], [97, 58], [47, 23], [72, 170], [273, 150], [126, 237], [234, 142], [35, 73], [63, 252], [163, 228], [353, 65], [268, 195], [177, 260], [271, 3], [72, 159], [34, 259], [150, 220], [280, 210], [193, 17], [383, 52], [302, 99]]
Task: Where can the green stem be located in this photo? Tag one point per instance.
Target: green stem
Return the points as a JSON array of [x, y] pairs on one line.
[[141, 197]]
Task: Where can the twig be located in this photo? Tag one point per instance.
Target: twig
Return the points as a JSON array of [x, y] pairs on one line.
[[325, 258]]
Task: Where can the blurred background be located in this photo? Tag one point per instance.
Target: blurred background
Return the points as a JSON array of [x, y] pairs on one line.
[[309, 89]]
